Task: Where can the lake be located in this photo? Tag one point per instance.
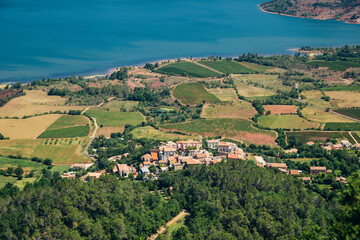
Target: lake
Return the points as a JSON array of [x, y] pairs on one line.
[[41, 38]]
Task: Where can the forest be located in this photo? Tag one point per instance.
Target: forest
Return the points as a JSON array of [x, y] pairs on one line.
[[232, 200]]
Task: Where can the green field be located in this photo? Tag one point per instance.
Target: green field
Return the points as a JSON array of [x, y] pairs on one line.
[[336, 66], [237, 129], [286, 122], [78, 131], [251, 91], [351, 112], [116, 119], [352, 126], [187, 69], [352, 87], [60, 154], [356, 136], [152, 133], [348, 137], [256, 67], [193, 93], [117, 105], [315, 136], [230, 67], [66, 121]]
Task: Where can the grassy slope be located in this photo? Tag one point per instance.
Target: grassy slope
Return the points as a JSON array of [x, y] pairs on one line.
[[286, 121], [193, 93], [78, 131], [230, 67], [152, 133], [116, 119], [69, 121], [188, 69]]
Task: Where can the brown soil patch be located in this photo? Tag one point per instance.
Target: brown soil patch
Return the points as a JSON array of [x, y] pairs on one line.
[[281, 109], [107, 131], [258, 138]]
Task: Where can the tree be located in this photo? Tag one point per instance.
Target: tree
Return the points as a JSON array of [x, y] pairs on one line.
[[48, 161], [152, 168], [19, 171], [10, 171], [2, 137]]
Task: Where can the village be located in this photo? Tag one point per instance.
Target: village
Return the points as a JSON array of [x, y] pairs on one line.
[[175, 156]]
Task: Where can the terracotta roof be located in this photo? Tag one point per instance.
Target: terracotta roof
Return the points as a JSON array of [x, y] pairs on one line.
[[294, 172], [310, 143], [318, 168], [233, 156], [191, 161], [277, 165], [154, 156]]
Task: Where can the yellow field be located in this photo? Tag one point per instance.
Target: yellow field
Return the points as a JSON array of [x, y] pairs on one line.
[[28, 128], [314, 97], [23, 147], [107, 131], [344, 99], [251, 91], [35, 102], [236, 109], [317, 115], [268, 81], [152, 133], [224, 94]]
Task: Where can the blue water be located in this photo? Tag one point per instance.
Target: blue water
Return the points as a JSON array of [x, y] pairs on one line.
[[44, 38]]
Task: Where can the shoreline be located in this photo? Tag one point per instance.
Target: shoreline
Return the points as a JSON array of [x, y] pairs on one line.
[[321, 19]]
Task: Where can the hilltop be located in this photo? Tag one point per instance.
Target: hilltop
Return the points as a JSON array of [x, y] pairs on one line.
[[345, 10]]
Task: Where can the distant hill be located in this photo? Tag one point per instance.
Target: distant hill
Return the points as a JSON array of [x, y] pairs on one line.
[[346, 10]]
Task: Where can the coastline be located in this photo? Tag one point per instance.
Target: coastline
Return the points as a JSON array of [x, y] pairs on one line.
[[322, 19]]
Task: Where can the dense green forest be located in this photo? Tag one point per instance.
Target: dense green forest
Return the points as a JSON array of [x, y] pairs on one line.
[[232, 200]]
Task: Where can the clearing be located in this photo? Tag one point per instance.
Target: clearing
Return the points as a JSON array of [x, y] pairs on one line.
[[28, 128], [344, 99], [237, 129], [314, 97], [224, 94], [251, 91], [235, 109], [35, 102], [286, 122], [281, 109], [152, 133], [193, 93], [117, 105], [187, 69], [318, 115], [116, 119]]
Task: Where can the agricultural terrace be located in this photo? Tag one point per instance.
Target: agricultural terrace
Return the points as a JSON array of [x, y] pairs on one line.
[[356, 136], [344, 99], [336, 65], [281, 109], [193, 93], [314, 97], [224, 94], [70, 132], [251, 91], [28, 128], [315, 136], [116, 119], [351, 112], [256, 67], [152, 133], [117, 105], [351, 126], [352, 87], [349, 137], [35, 102], [234, 109], [19, 147], [237, 129], [187, 69], [264, 80], [317, 115], [69, 121], [62, 151], [226, 66], [286, 122]]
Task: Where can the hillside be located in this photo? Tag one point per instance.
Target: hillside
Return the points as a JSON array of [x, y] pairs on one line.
[[345, 10]]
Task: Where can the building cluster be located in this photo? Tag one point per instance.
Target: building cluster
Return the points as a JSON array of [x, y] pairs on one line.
[[344, 144], [182, 154]]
